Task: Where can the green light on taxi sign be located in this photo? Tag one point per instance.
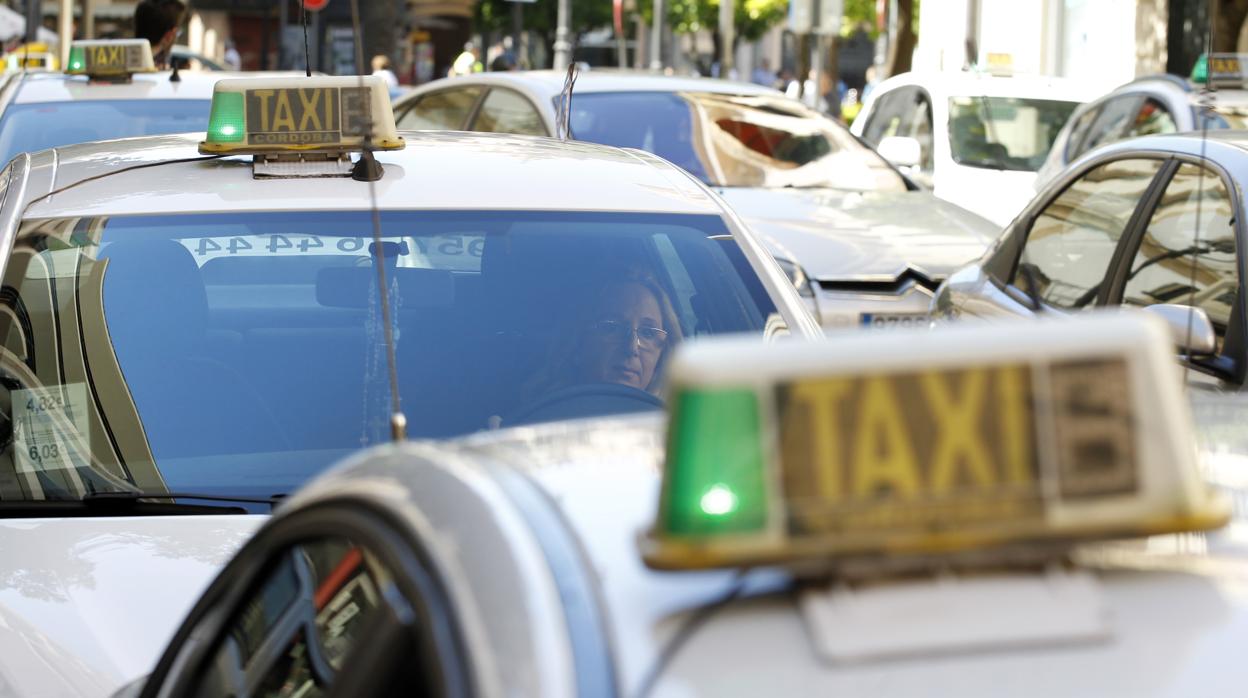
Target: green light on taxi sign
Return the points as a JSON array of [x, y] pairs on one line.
[[226, 123], [715, 463], [77, 60], [1200, 71]]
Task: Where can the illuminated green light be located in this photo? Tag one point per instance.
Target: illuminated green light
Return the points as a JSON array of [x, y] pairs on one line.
[[715, 479], [77, 60], [225, 124], [718, 501], [1200, 71]]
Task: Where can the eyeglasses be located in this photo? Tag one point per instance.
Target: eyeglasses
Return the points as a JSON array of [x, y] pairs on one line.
[[649, 337]]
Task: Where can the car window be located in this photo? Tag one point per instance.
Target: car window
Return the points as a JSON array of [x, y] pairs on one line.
[[441, 111], [1112, 121], [1188, 252], [1004, 133], [1070, 245], [889, 115], [505, 111], [1079, 131], [31, 127], [1152, 118], [300, 627], [245, 352], [735, 140]]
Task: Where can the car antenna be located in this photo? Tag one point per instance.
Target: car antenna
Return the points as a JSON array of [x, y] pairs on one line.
[[563, 120], [307, 60], [368, 169]]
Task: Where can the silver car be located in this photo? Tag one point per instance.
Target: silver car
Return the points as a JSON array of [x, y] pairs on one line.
[[1155, 222], [864, 245]]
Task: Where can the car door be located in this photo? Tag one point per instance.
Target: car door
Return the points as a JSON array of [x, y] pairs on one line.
[[1187, 252], [508, 111], [1068, 246], [443, 110], [330, 601]]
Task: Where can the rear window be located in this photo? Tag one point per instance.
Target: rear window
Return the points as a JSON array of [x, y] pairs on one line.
[[243, 353], [31, 127]]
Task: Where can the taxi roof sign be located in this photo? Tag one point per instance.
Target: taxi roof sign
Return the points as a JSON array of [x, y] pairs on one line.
[[110, 58], [313, 114], [1221, 69], [920, 444]]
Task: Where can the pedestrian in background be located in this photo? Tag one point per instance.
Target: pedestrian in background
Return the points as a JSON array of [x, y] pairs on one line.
[[158, 22], [466, 63], [763, 74], [381, 68], [232, 59]]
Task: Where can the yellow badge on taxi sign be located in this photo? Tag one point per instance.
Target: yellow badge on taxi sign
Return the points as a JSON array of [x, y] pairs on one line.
[[275, 115], [110, 57], [927, 443]]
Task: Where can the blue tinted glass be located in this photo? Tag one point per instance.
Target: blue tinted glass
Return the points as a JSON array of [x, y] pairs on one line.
[[31, 127], [244, 353]]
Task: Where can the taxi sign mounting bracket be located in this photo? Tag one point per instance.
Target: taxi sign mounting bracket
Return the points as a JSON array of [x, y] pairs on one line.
[[283, 165]]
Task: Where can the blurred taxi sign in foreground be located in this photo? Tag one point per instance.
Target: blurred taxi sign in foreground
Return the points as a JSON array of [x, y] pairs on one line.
[[1221, 69], [915, 444], [299, 115], [110, 58]]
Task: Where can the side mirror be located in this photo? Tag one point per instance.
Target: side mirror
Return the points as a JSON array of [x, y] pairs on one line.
[[902, 151], [1190, 327]]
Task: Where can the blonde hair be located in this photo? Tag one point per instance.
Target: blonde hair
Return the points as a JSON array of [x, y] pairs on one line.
[[558, 371]]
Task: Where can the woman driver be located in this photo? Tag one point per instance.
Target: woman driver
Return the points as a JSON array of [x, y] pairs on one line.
[[622, 335]]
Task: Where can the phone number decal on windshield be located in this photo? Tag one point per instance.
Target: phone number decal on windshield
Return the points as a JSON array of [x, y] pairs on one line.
[[414, 249]]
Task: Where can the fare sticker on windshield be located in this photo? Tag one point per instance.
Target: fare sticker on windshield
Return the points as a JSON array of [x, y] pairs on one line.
[[50, 428]]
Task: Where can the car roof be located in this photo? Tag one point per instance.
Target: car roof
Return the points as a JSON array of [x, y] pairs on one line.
[[975, 84], [437, 170], [1190, 142], [592, 81], [41, 88]]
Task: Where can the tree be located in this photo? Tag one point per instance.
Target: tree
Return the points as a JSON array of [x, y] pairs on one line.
[[541, 17], [1227, 24], [901, 48], [752, 18]]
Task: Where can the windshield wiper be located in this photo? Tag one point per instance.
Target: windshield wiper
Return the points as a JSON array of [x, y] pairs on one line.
[[132, 504]]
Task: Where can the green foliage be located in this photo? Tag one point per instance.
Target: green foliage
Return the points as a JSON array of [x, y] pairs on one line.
[[752, 17], [541, 16], [857, 12]]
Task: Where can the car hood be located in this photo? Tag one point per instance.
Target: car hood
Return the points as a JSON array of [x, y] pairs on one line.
[[873, 236], [88, 604]]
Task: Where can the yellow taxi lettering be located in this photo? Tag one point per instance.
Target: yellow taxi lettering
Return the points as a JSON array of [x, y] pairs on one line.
[[283, 116], [1013, 420], [883, 454], [264, 96], [958, 443], [308, 101], [821, 402]]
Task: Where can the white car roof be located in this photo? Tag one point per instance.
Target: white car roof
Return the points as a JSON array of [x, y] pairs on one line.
[[951, 84], [591, 81], [437, 170], [38, 88]]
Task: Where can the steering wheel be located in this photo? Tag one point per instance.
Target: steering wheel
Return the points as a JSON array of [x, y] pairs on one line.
[[586, 400]]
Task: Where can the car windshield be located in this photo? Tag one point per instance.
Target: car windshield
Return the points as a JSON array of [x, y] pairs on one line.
[[1005, 133], [192, 353], [31, 127], [734, 140]]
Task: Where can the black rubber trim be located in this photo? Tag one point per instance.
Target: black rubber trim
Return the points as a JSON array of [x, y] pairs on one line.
[[435, 624]]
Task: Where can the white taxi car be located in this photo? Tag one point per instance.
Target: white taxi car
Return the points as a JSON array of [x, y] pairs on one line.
[[975, 139], [885, 514], [193, 326], [109, 89], [866, 247]]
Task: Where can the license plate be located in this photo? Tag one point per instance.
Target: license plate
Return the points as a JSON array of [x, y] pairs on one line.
[[948, 449], [884, 321]]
